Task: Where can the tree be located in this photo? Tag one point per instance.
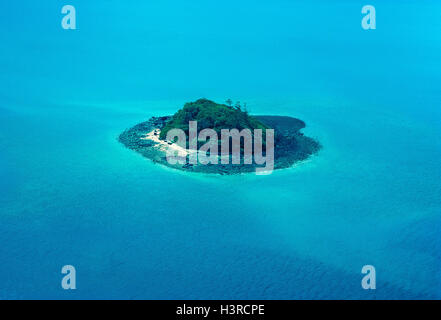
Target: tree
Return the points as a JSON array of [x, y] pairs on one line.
[[245, 107], [237, 105], [229, 102]]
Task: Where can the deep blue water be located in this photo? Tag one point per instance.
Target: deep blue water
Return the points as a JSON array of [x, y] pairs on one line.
[[71, 194]]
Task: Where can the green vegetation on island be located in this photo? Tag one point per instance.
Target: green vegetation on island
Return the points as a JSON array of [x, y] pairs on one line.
[[211, 115]]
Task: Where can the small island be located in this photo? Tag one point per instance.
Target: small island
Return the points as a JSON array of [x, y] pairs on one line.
[[282, 139]]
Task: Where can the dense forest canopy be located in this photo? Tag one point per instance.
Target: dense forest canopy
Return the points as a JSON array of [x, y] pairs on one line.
[[211, 115]]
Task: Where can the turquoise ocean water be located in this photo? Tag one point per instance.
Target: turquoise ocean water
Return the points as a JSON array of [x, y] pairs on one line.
[[71, 194]]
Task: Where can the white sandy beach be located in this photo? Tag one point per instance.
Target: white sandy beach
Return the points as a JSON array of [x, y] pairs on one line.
[[164, 146]]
